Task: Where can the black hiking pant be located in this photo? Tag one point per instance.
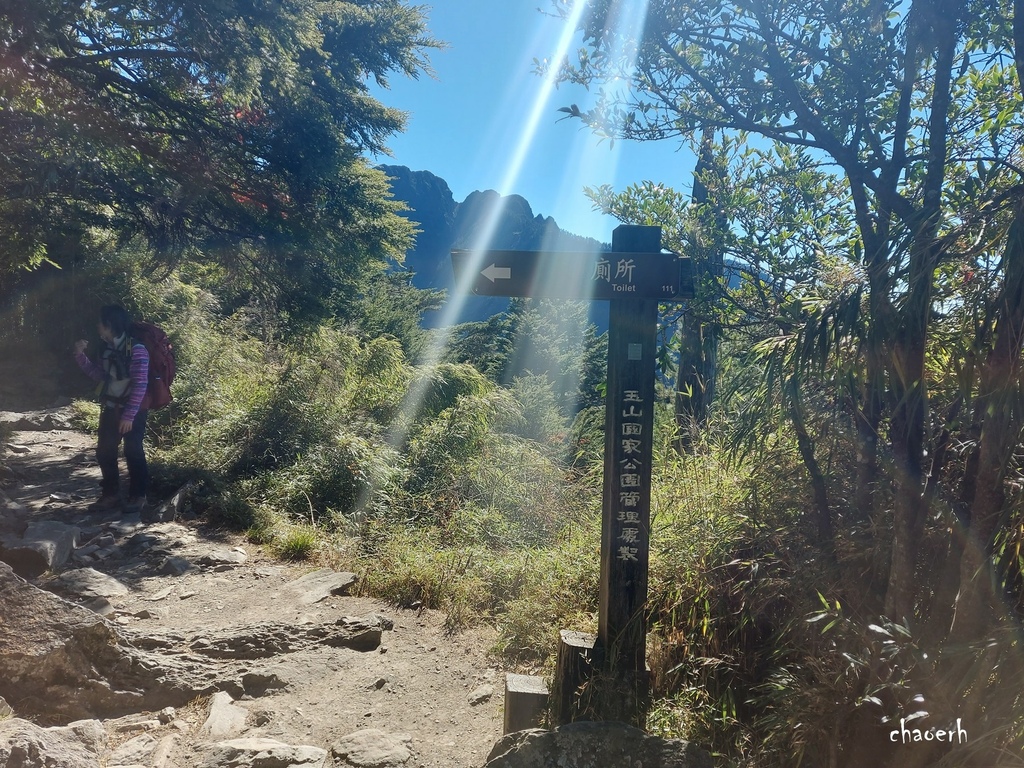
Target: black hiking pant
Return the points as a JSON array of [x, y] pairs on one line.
[[134, 455]]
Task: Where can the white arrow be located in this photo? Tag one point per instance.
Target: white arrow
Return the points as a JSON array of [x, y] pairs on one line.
[[493, 273]]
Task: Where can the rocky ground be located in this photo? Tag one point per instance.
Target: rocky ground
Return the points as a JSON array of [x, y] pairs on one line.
[[279, 656]]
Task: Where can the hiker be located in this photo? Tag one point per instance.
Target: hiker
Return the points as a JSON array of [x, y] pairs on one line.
[[122, 373]]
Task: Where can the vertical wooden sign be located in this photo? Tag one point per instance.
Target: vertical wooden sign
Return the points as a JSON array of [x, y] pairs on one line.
[[634, 276], [626, 510]]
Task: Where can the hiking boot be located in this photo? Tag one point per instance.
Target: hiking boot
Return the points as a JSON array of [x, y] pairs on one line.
[[105, 503], [135, 504]]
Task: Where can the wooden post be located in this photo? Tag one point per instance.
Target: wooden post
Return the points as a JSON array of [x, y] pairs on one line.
[[526, 702], [572, 670], [625, 527], [611, 673]]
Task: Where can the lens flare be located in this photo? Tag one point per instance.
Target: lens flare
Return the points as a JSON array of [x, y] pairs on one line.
[[625, 25]]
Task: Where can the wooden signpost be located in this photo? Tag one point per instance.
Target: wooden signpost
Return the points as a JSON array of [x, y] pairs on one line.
[[635, 275]]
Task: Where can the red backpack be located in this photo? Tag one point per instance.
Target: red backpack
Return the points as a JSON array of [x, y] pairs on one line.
[[161, 364]]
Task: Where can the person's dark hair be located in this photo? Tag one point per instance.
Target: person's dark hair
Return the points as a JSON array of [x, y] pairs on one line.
[[116, 319]]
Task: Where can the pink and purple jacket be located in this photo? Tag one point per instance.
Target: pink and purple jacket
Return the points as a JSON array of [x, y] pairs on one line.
[[138, 373]]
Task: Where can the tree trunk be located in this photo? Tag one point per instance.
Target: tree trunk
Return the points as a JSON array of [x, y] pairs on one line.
[[939, 23], [1000, 430], [698, 330], [819, 488]]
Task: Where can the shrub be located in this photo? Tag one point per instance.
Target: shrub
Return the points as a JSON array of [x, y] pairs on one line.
[[542, 420], [442, 449], [337, 482], [513, 495], [296, 542], [85, 416], [438, 388]]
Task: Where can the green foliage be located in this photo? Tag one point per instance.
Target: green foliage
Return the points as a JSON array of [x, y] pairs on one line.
[[546, 590], [587, 439], [512, 495], [297, 430], [410, 569], [223, 134], [529, 593], [440, 450], [297, 542], [543, 421], [438, 388], [85, 416], [343, 479], [262, 524], [538, 338], [392, 307]]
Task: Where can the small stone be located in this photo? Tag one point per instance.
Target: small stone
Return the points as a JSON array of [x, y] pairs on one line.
[[175, 566], [262, 718], [100, 605], [226, 720], [136, 751], [90, 583], [137, 727], [481, 695], [383, 621]]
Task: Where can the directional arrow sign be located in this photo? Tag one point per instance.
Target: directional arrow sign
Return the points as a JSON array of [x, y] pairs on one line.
[[494, 272], [574, 274]]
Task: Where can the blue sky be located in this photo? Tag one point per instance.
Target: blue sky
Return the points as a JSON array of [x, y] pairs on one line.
[[488, 122]]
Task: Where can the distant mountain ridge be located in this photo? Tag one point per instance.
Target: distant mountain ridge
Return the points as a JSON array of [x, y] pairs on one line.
[[446, 224]]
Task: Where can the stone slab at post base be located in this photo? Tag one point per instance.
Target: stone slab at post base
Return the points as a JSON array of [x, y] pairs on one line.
[[526, 702], [572, 670]]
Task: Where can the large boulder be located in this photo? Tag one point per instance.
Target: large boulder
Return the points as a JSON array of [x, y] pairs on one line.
[[262, 753], [594, 745], [26, 745], [42, 420], [43, 546], [61, 662]]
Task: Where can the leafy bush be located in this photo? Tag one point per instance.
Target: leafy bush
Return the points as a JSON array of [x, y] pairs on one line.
[[542, 420], [513, 495], [437, 388], [443, 447], [85, 416], [336, 483], [297, 542]]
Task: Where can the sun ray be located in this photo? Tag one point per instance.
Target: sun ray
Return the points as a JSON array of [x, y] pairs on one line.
[[628, 17]]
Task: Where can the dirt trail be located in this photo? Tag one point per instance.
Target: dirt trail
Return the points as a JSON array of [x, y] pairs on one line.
[[420, 681]]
